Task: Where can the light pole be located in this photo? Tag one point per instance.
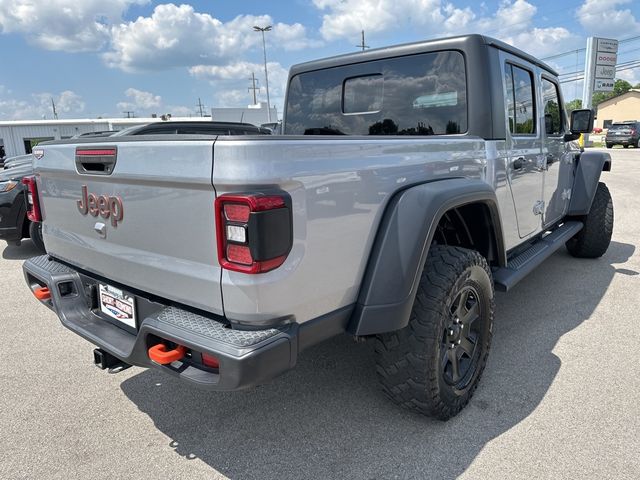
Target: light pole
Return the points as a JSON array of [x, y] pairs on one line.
[[266, 75]]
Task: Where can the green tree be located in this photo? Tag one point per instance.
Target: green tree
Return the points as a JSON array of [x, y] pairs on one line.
[[619, 87], [575, 104]]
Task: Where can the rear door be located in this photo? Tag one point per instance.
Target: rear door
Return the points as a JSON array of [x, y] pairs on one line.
[[524, 143], [148, 223]]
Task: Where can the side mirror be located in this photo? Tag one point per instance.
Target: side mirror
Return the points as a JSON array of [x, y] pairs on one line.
[[581, 122]]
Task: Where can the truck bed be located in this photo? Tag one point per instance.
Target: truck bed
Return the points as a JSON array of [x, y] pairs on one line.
[[165, 244]]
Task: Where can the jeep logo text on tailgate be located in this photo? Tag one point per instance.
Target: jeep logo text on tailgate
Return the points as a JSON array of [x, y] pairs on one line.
[[103, 205]]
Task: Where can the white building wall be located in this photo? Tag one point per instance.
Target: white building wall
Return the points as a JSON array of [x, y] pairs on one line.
[[13, 136]]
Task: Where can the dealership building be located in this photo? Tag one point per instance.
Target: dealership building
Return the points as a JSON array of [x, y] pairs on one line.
[[622, 108]]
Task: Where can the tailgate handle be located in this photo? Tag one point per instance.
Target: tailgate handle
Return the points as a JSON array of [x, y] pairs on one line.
[[96, 160]]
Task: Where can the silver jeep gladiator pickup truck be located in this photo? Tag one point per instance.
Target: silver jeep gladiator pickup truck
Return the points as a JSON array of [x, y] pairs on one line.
[[410, 183]]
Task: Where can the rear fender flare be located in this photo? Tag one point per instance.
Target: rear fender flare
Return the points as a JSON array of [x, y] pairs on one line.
[[402, 243]]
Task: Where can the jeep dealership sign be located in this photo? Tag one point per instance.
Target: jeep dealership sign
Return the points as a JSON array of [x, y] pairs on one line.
[[599, 68], [604, 67]]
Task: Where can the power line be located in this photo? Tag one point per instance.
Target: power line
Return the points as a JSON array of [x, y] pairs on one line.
[[623, 64], [581, 77], [570, 52]]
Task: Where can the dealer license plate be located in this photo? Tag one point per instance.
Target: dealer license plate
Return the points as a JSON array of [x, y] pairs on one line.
[[118, 305]]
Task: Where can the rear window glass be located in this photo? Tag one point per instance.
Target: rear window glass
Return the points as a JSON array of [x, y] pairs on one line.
[[422, 94]]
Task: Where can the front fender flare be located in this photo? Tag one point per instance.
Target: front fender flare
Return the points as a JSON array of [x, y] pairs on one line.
[[585, 182], [400, 250]]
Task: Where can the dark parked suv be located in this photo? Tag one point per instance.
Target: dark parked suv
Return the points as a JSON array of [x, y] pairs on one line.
[[623, 133]]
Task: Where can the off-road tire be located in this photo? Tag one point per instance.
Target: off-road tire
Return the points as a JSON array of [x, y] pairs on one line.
[[609, 145], [625, 145], [35, 232], [594, 238], [409, 362]]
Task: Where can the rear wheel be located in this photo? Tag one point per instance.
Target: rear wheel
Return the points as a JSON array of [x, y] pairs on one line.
[[434, 364], [625, 146], [35, 232], [609, 145], [594, 238]]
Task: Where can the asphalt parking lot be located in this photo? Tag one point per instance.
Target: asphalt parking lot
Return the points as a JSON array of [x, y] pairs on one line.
[[560, 397]]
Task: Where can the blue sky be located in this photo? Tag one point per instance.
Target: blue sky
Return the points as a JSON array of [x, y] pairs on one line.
[[102, 57]]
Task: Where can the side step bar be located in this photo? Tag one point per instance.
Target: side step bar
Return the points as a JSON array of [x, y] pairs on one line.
[[523, 264]]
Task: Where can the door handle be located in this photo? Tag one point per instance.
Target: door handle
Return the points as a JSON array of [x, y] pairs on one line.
[[518, 163]]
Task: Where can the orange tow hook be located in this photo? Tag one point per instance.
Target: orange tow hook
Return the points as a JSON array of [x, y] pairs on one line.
[[42, 293], [159, 354]]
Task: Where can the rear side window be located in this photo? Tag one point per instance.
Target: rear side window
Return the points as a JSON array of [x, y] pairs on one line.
[[423, 94], [520, 100], [553, 111]]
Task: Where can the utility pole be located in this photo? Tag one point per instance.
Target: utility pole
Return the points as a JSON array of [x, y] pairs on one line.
[[253, 88], [129, 113], [53, 107], [266, 75], [200, 107], [362, 45]]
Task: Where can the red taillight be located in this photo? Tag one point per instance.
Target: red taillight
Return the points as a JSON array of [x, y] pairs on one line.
[[254, 232], [33, 204], [237, 212], [239, 254], [210, 361]]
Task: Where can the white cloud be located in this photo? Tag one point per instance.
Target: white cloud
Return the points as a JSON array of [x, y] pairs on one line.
[[39, 106], [346, 18], [145, 103], [225, 80], [179, 36], [69, 25], [139, 101], [606, 19], [512, 22], [142, 99]]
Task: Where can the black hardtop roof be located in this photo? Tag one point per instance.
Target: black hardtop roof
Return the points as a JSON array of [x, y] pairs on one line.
[[461, 42]]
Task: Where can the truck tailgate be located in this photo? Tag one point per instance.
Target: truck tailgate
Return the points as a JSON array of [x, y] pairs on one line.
[[163, 239]]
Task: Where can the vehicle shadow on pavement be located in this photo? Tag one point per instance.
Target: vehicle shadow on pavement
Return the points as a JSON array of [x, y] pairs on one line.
[[328, 419], [22, 252]]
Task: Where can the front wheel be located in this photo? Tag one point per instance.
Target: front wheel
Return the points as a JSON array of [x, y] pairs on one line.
[[609, 145], [434, 364], [594, 238], [35, 232]]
